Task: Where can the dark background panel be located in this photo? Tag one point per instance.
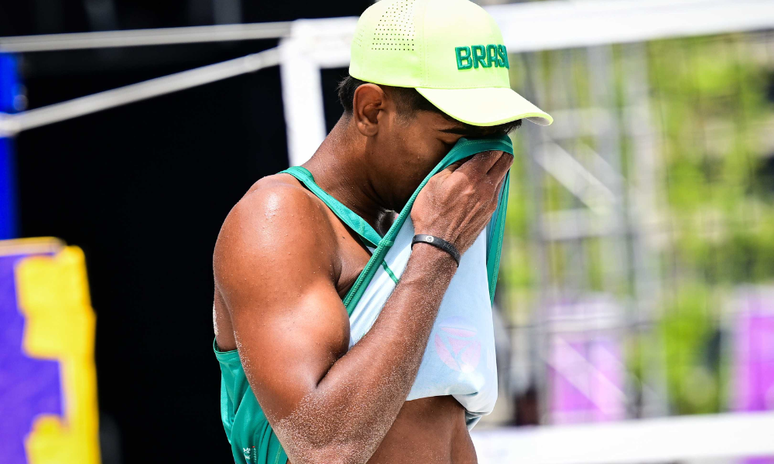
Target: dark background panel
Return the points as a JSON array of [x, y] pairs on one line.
[[56, 16], [143, 189]]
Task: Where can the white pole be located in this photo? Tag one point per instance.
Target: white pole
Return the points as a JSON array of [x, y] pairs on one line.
[[302, 99], [12, 124], [313, 45], [673, 439], [138, 37]]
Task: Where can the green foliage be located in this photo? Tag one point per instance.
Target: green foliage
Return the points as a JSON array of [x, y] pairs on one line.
[[708, 99], [707, 92], [687, 327]]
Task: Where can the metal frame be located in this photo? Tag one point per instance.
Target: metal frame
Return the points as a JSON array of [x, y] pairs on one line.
[[307, 46], [12, 124], [140, 37], [324, 43]]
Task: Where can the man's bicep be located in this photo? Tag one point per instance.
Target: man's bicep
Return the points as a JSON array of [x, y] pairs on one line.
[[276, 279], [287, 348]]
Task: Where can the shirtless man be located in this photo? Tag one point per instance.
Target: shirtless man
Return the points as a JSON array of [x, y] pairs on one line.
[[284, 261]]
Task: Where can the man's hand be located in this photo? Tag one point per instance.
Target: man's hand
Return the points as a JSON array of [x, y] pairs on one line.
[[458, 202]]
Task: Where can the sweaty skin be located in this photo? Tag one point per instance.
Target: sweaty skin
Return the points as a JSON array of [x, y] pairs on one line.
[[283, 262]]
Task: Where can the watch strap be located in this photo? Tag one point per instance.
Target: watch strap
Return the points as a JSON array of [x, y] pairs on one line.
[[438, 243]]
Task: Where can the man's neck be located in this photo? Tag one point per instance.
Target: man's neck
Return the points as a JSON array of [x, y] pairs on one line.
[[339, 168]]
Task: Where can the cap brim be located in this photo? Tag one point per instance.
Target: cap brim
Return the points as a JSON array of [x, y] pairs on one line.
[[485, 107]]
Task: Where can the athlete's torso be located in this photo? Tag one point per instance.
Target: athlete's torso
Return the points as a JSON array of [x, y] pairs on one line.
[[431, 430]]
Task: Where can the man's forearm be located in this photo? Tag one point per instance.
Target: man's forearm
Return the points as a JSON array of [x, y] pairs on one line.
[[358, 399]]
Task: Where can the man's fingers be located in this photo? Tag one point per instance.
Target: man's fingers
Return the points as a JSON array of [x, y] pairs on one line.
[[500, 168], [445, 173], [453, 167], [482, 162]]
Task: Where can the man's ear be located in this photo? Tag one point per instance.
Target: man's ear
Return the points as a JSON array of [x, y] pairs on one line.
[[369, 100]]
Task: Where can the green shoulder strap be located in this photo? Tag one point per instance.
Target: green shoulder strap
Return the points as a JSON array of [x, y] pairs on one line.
[[355, 222], [495, 237], [463, 149]]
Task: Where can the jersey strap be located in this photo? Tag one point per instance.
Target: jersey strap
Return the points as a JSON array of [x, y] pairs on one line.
[[495, 236], [355, 222]]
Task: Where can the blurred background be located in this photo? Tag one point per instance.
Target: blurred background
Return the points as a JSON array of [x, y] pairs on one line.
[[637, 279]]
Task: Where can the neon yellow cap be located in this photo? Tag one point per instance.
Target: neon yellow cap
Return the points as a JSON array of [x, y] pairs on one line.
[[451, 51]]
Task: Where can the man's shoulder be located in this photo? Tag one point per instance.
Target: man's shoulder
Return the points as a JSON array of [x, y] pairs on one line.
[[282, 196], [277, 211], [271, 244]]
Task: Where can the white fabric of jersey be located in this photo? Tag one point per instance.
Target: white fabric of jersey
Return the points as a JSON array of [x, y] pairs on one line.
[[460, 356]]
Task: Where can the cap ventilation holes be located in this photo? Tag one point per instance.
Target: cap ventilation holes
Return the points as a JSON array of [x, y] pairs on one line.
[[395, 29]]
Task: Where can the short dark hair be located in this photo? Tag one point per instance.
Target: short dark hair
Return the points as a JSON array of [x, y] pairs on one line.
[[409, 101]]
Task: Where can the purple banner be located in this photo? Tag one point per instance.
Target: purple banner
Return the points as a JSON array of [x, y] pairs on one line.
[[586, 369], [28, 387]]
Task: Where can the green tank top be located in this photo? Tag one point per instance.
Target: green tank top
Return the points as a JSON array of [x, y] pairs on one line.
[[251, 438], [248, 431]]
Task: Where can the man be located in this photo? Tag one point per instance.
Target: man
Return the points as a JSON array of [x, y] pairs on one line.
[[424, 73]]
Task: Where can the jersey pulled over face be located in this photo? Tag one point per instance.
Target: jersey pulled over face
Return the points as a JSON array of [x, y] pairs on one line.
[[408, 147]]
